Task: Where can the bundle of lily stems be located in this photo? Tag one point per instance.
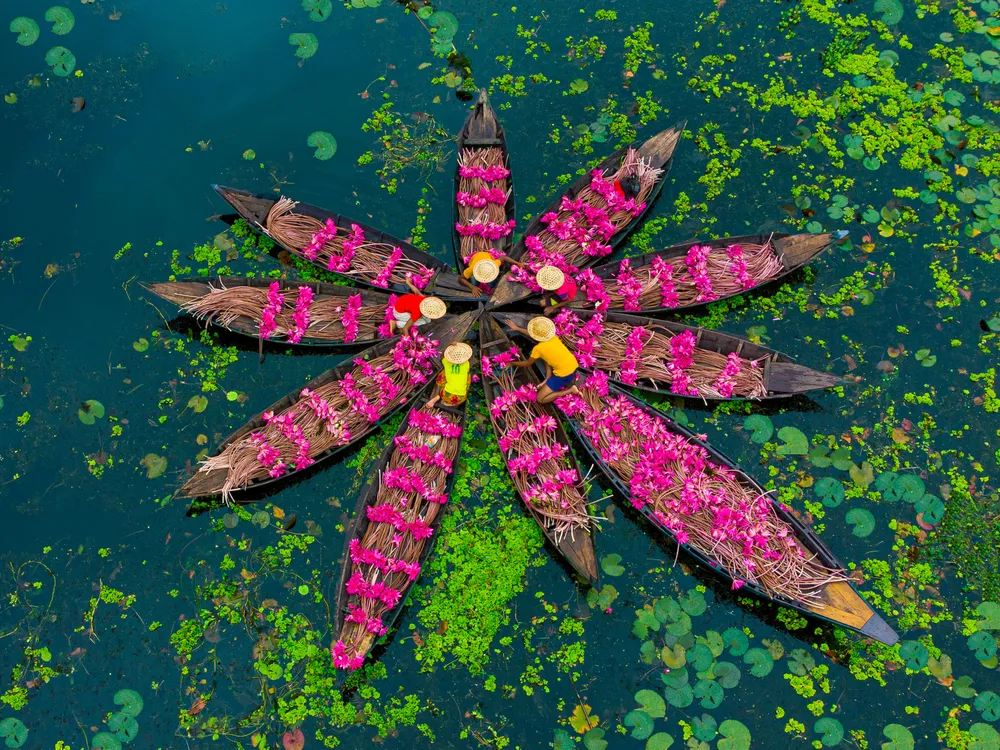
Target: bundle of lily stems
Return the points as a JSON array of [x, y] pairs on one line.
[[494, 212], [385, 561], [705, 505], [678, 282], [330, 416], [368, 261], [225, 305], [571, 251], [614, 350], [538, 463]]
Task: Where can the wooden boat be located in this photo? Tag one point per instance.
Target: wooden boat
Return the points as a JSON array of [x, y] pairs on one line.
[[482, 130], [255, 208], [783, 377], [840, 604], [188, 290], [794, 252], [205, 483], [359, 525], [579, 552], [658, 151]]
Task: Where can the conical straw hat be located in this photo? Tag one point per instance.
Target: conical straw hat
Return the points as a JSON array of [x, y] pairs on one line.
[[485, 271], [550, 278], [541, 329], [458, 353], [432, 307]]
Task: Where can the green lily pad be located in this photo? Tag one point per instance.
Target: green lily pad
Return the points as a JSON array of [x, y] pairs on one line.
[[962, 687], [130, 701], [760, 427], [983, 645], [674, 657], [940, 668], [659, 741], [800, 661], [871, 215], [651, 702], [761, 660], [700, 657], [679, 696], [855, 152], [796, 443], [990, 611], [155, 465], [915, 654], [26, 29], [642, 725], [579, 86], [13, 731], [862, 520], [906, 487], [966, 195], [307, 45], [611, 564], [61, 60], [871, 163], [705, 727], [125, 727], [594, 739], [141, 345], [693, 602], [736, 640], [986, 737], [727, 674], [830, 491], [105, 741], [862, 475], [899, 736], [319, 10], [831, 731], [62, 19], [90, 411], [988, 705], [324, 143], [198, 403], [444, 25], [562, 741], [714, 641], [709, 694], [735, 735], [930, 510]]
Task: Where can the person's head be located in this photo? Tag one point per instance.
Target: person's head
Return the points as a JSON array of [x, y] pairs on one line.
[[630, 186], [485, 271], [432, 308], [458, 353], [541, 328], [550, 278]]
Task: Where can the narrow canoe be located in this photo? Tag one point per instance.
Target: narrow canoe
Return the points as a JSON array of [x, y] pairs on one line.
[[189, 290], [840, 601], [794, 251], [209, 483], [370, 496], [783, 377], [255, 208], [578, 550], [481, 131], [658, 151]]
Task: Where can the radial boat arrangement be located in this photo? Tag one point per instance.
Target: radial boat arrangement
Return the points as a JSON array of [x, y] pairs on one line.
[[399, 510]]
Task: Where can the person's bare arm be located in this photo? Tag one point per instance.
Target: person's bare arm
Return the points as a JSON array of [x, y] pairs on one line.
[[508, 259], [408, 326], [412, 287], [476, 291], [526, 362]]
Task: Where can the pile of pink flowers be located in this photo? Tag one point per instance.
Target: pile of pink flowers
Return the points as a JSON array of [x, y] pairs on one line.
[[500, 361], [606, 189], [382, 279], [386, 560], [422, 278], [593, 287], [677, 483], [696, 261], [384, 331], [326, 233], [480, 199], [269, 315], [629, 286], [535, 257], [350, 318], [300, 318], [727, 378], [486, 229], [489, 174], [664, 273], [681, 359]]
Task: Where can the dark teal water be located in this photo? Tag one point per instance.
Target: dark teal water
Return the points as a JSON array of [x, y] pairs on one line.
[[77, 187]]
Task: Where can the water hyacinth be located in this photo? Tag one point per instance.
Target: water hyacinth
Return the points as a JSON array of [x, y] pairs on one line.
[[385, 561], [653, 356], [701, 503], [327, 417]]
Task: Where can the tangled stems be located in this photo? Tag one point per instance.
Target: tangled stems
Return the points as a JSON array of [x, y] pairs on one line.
[[483, 192]]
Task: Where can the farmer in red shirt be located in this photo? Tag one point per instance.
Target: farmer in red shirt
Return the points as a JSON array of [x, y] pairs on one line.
[[415, 310], [628, 187]]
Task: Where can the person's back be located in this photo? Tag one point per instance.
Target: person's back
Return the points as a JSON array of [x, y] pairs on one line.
[[557, 355]]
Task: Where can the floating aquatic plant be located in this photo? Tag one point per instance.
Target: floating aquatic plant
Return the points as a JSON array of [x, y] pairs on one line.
[[306, 44], [61, 18], [13, 732], [319, 10], [26, 29], [61, 60], [90, 411], [324, 143]]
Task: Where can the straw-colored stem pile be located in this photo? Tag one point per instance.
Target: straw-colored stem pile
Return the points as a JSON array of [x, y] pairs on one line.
[[295, 231], [711, 508], [494, 213], [224, 305], [357, 638], [610, 353]]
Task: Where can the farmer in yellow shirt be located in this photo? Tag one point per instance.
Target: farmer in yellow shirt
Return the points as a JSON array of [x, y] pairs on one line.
[[484, 267], [560, 364]]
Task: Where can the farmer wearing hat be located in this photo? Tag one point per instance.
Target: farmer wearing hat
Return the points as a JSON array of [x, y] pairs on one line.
[[560, 364], [415, 310], [455, 377], [484, 268], [562, 287]]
